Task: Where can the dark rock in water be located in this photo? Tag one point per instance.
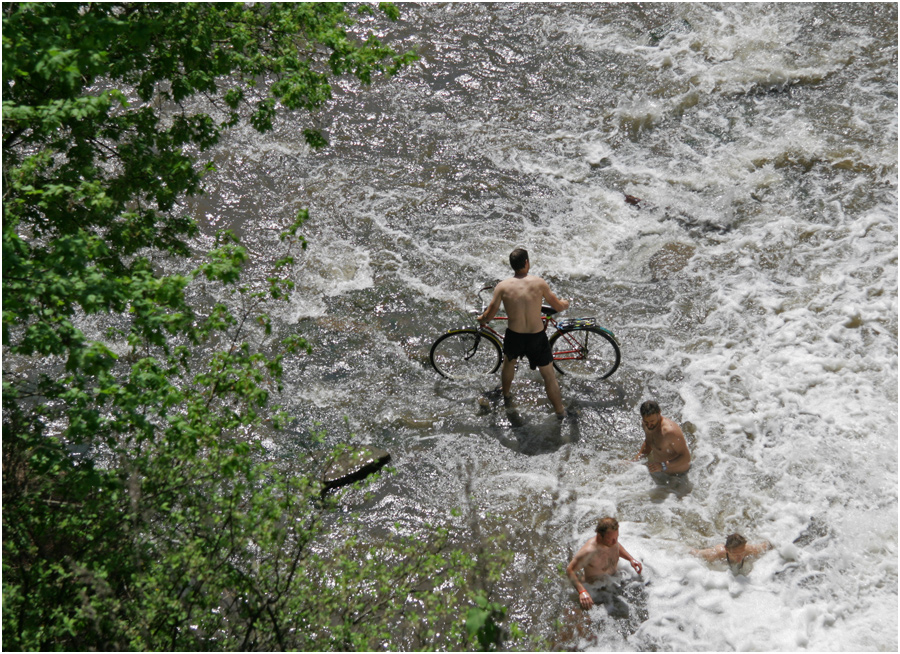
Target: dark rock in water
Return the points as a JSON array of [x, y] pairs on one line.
[[670, 260], [688, 222], [677, 25], [815, 531], [353, 464], [602, 163]]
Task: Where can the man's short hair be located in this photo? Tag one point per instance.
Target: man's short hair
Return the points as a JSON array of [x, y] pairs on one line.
[[518, 258], [735, 541], [607, 524], [649, 408]]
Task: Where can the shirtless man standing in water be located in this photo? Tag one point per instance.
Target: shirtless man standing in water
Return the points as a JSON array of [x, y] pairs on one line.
[[522, 296], [599, 558], [664, 446]]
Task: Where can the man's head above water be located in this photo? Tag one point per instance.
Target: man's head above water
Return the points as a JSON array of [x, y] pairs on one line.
[[518, 259], [735, 542]]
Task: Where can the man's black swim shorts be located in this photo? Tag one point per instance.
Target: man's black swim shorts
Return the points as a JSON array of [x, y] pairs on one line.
[[534, 346]]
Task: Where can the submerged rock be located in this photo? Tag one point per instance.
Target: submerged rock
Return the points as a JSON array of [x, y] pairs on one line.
[[670, 259], [352, 464], [673, 26]]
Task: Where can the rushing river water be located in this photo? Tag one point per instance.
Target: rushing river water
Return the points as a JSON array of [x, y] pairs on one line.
[[754, 292]]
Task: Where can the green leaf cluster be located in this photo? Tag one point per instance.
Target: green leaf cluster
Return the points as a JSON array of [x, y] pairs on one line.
[[139, 509]]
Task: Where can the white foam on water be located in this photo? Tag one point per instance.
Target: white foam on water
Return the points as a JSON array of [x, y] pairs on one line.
[[326, 396], [334, 267], [304, 305], [790, 378]]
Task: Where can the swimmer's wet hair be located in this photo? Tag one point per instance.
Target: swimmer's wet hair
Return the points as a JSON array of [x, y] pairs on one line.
[[649, 408], [734, 541], [607, 524], [518, 258]]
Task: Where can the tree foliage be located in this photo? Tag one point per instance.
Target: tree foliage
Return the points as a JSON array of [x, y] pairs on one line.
[[139, 509]]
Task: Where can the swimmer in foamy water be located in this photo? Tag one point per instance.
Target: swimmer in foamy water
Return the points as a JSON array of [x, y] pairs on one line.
[[736, 552], [664, 446], [598, 559]]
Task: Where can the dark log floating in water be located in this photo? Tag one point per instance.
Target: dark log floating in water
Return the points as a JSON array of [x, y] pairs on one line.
[[351, 465]]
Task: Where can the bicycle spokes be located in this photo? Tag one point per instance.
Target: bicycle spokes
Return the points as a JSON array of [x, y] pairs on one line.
[[585, 352], [474, 348], [572, 348]]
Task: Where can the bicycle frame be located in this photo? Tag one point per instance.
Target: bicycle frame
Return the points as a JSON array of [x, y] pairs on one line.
[[571, 349], [574, 350], [563, 327]]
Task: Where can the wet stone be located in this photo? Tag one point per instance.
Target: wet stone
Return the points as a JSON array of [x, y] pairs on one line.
[[670, 259], [353, 464], [676, 26]]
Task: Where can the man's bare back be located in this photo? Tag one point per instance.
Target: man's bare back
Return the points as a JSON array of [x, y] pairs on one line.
[[522, 297]]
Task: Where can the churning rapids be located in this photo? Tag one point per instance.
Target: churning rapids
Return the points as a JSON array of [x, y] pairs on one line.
[[754, 292]]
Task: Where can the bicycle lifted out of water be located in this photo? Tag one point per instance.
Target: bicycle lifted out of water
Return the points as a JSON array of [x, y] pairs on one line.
[[581, 348]]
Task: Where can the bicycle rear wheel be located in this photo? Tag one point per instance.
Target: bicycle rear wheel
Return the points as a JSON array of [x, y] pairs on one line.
[[588, 353], [465, 354]]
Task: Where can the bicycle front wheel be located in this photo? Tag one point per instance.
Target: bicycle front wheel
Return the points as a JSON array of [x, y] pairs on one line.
[[588, 353], [465, 354]]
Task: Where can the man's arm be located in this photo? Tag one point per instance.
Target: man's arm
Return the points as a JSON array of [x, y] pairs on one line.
[[645, 450], [493, 307], [634, 562], [758, 548], [674, 439], [576, 564], [682, 460], [555, 303], [711, 554]]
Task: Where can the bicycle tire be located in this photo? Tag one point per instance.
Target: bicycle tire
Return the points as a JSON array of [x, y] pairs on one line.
[[465, 354], [586, 353]]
